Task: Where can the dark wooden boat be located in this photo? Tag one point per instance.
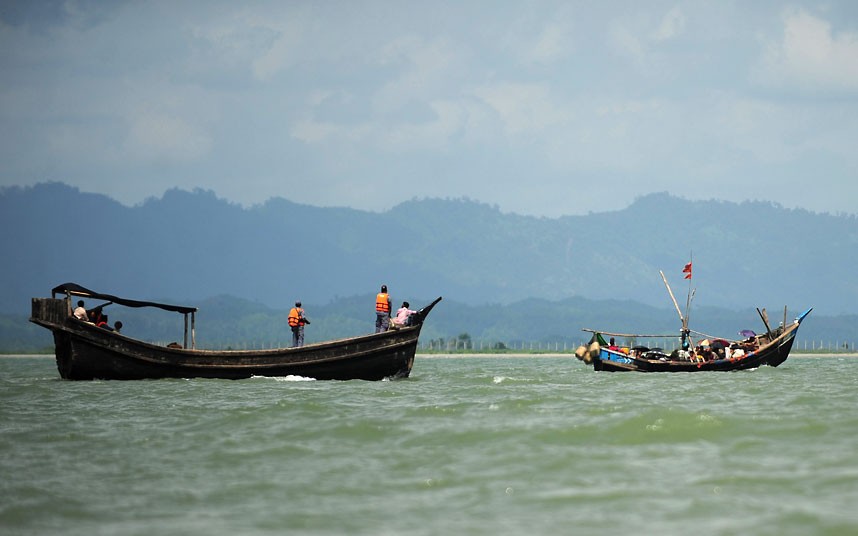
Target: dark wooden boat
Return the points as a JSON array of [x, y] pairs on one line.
[[85, 351], [771, 348]]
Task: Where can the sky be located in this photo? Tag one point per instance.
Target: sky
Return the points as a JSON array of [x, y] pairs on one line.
[[543, 108]]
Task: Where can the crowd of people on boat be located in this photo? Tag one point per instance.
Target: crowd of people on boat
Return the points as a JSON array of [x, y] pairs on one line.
[[716, 349], [96, 316], [705, 350]]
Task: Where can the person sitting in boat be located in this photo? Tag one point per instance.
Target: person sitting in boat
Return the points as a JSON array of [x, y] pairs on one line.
[[750, 344], [718, 349], [612, 345], [686, 355], [97, 316], [102, 322], [80, 312], [117, 326], [704, 352], [403, 316], [736, 350], [680, 354]]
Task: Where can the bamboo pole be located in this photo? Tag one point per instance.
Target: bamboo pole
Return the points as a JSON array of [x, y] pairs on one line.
[[678, 311]]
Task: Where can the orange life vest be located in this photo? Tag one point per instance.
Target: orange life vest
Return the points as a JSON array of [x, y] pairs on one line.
[[296, 316], [382, 303]]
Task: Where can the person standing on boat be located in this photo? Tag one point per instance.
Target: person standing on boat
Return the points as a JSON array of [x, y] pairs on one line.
[[296, 323], [382, 310], [80, 312]]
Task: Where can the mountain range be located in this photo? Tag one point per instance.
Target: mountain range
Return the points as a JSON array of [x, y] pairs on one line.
[[504, 277], [188, 246]]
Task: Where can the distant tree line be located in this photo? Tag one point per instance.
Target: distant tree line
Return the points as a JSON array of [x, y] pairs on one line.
[[229, 322]]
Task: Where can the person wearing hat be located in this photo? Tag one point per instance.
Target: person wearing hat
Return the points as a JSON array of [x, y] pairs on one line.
[[382, 310], [296, 323]]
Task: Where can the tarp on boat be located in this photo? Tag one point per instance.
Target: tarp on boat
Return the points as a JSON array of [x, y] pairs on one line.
[[597, 337], [73, 289]]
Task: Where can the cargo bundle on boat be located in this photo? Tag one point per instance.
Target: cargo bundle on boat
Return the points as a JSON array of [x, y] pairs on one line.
[[86, 351]]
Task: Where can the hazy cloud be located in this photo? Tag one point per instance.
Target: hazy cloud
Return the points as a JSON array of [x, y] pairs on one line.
[[368, 103], [672, 25], [811, 55]]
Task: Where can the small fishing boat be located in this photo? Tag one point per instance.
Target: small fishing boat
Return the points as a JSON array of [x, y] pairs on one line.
[[85, 351], [710, 354], [771, 348]]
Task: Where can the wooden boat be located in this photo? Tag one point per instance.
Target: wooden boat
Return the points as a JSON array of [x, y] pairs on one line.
[[771, 348], [85, 351]]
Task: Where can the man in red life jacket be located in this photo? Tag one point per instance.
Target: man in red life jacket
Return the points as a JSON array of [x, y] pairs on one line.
[[382, 310], [296, 323]]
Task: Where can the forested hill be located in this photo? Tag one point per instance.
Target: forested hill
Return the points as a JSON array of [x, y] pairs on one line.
[[189, 246]]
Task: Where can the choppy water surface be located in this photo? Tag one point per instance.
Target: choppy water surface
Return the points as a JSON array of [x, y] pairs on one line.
[[537, 445]]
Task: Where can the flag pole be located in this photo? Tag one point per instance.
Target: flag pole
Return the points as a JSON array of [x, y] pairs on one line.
[[690, 291]]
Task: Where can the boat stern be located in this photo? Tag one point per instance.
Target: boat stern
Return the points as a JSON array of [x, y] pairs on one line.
[[48, 312]]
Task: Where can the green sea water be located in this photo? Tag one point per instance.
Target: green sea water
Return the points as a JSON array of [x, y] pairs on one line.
[[487, 445]]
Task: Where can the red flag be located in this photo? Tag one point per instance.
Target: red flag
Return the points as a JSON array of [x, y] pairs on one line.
[[687, 270]]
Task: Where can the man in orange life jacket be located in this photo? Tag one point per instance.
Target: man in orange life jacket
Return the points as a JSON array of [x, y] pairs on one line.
[[296, 322], [382, 310]]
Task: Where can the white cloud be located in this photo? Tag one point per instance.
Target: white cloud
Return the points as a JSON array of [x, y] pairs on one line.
[[672, 25], [448, 118], [810, 55], [157, 136], [422, 71], [626, 42], [239, 41], [553, 43], [433, 135], [524, 109], [313, 131], [282, 53], [634, 35]]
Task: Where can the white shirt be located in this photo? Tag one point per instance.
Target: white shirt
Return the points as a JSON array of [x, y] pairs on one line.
[[402, 315]]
